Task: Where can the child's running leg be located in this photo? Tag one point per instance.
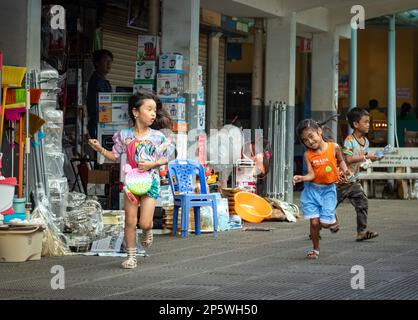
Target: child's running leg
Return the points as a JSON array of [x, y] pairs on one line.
[[145, 220], [360, 202], [314, 226], [131, 212]]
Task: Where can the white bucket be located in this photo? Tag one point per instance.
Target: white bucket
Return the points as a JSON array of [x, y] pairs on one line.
[[7, 192]]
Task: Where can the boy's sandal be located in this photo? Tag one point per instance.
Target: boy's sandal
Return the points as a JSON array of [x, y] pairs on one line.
[[313, 254], [367, 236]]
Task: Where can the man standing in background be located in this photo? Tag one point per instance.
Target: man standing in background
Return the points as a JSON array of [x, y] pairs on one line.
[[102, 61]]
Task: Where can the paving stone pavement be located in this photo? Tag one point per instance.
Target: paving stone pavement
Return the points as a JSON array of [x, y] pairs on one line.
[[249, 265]]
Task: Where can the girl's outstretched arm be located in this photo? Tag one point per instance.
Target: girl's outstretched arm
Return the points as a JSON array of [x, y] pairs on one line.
[[95, 144]]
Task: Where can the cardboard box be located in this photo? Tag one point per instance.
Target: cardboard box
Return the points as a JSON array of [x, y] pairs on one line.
[[120, 107], [146, 86], [177, 110], [169, 85], [171, 63], [210, 18], [201, 116], [145, 70], [179, 126], [113, 107], [97, 181], [148, 47], [181, 145], [105, 107]]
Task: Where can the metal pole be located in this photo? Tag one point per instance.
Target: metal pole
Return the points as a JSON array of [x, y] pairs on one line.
[[391, 82], [282, 148], [27, 146], [290, 144], [276, 148]]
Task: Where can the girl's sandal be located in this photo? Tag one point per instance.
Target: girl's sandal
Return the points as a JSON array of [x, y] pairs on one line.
[[131, 262], [147, 238], [313, 254]]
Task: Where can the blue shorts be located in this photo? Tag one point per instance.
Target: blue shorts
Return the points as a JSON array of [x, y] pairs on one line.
[[319, 201]]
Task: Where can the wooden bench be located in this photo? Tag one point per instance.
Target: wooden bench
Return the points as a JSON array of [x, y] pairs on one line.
[[404, 158]]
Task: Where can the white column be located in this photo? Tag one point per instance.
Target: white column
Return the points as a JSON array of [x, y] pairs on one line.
[[324, 99], [280, 60], [180, 33], [213, 101], [257, 77], [20, 38], [280, 86]]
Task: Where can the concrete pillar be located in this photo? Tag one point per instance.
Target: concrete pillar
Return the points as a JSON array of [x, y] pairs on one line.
[[324, 99], [213, 77], [280, 86], [180, 33], [280, 60], [20, 38], [154, 14], [257, 76]]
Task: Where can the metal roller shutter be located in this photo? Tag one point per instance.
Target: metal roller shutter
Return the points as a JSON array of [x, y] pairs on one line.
[[122, 42], [203, 59]]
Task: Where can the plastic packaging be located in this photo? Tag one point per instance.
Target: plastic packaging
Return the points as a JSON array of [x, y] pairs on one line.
[[53, 129], [75, 199], [48, 77], [54, 242], [85, 221], [54, 163]]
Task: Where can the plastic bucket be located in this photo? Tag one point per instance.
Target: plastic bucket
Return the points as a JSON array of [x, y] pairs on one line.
[[19, 205], [19, 244], [7, 191]]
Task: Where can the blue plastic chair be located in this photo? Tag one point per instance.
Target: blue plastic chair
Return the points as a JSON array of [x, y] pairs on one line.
[[185, 198]]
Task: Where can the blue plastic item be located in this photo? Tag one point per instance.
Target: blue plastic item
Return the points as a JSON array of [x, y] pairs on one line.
[[8, 217], [183, 172]]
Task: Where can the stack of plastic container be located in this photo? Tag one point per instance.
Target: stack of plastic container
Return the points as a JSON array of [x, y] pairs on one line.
[[51, 137]]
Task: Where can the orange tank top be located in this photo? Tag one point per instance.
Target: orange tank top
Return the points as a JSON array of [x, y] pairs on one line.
[[324, 165]]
